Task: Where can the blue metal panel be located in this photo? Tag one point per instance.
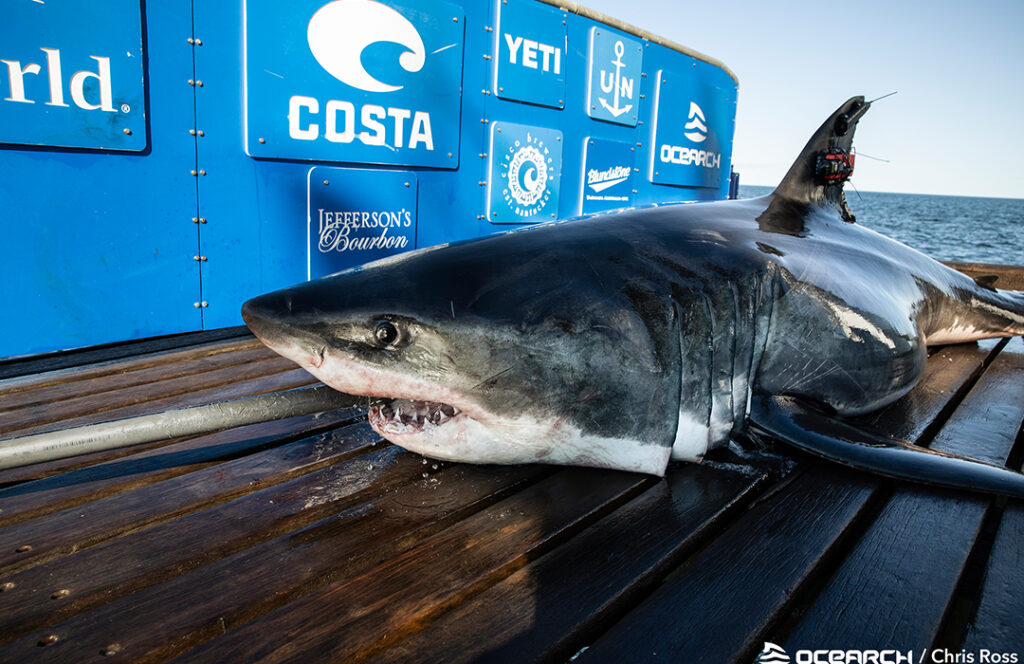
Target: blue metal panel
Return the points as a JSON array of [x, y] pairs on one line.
[[108, 242], [72, 80], [358, 215], [531, 53], [100, 247], [354, 81]]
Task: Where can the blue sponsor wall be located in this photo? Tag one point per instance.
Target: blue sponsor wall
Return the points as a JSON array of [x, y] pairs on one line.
[[161, 162]]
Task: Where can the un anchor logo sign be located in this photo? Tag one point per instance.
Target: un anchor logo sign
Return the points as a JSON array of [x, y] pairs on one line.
[[616, 63], [526, 164]]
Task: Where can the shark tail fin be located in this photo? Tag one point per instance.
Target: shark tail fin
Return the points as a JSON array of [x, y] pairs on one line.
[[826, 162]]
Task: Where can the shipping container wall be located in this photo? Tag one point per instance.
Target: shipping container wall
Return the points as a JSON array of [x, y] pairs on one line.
[[161, 162]]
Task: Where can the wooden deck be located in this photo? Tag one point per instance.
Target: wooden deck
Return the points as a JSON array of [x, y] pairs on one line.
[[311, 540]]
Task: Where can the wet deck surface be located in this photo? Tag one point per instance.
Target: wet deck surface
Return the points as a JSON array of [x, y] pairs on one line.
[[311, 540]]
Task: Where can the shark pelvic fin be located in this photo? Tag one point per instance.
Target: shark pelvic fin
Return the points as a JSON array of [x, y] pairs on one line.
[[826, 162], [786, 419]]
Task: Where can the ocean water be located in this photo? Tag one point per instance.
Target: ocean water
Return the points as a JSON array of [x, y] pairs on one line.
[[954, 228]]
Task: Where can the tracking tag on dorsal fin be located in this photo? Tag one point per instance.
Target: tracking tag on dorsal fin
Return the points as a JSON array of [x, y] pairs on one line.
[[987, 281], [826, 162]]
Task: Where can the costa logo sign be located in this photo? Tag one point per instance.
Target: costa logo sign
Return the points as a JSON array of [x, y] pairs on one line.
[[354, 80]]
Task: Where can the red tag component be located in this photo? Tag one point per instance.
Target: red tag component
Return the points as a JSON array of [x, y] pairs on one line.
[[834, 166]]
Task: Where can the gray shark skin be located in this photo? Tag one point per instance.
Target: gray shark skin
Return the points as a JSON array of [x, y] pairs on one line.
[[623, 340]]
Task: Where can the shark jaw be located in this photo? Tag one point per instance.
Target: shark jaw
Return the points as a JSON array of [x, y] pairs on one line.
[[442, 422]]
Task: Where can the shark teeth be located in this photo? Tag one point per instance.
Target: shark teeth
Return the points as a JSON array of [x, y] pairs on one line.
[[407, 416]]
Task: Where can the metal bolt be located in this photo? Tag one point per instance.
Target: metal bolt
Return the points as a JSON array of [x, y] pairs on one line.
[[450, 155], [202, 172], [201, 133], [482, 183], [197, 304], [49, 640], [191, 41], [635, 191], [191, 82], [263, 140], [63, 592], [482, 155], [205, 303], [455, 19], [199, 83], [199, 42], [8, 585], [127, 131], [192, 132], [202, 220], [195, 220], [487, 57], [24, 548], [407, 184], [194, 172], [488, 28], [326, 182]]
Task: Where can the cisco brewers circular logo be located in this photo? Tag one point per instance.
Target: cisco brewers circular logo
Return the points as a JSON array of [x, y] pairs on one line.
[[526, 176]]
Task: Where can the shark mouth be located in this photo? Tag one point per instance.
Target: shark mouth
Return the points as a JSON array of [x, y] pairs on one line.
[[407, 416]]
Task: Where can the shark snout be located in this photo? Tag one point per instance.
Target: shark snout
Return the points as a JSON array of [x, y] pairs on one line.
[[270, 318]]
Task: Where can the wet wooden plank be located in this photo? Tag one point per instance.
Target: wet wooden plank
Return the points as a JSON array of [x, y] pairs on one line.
[[235, 589], [360, 616], [758, 564], [32, 499], [114, 379], [88, 524], [217, 385], [547, 609], [997, 624], [52, 363], [98, 371], [358, 487], [910, 560]]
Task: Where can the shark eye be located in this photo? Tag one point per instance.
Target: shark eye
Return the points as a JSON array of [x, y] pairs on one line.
[[385, 333]]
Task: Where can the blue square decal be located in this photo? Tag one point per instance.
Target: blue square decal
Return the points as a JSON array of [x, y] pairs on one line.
[[608, 171], [526, 172], [72, 75], [691, 133], [363, 81], [358, 215], [531, 53], [616, 63]]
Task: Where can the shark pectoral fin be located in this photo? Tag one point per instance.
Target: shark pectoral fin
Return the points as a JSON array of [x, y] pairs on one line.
[[789, 420]]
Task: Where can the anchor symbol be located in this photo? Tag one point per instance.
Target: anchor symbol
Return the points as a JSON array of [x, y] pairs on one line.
[[622, 87]]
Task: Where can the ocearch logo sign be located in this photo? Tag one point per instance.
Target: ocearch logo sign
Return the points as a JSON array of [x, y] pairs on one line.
[[368, 81]]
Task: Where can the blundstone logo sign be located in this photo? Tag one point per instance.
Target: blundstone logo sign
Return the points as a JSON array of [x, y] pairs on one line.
[[71, 75], [607, 175], [354, 80]]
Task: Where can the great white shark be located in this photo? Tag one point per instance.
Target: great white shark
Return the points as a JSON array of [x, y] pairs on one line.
[[627, 339]]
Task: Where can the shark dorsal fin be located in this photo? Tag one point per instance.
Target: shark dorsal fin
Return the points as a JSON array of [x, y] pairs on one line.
[[818, 174]]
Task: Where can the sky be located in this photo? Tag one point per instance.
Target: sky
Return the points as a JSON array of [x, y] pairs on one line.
[[955, 127]]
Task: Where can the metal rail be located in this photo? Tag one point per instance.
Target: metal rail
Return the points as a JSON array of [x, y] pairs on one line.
[[52, 445]]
